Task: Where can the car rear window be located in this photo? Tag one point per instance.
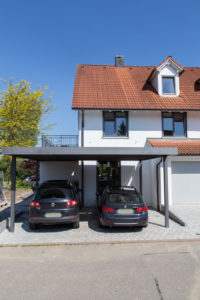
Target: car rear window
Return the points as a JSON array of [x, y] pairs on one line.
[[54, 193], [124, 198]]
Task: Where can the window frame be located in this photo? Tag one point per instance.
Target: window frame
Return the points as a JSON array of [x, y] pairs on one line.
[[184, 125], [174, 81], [115, 113]]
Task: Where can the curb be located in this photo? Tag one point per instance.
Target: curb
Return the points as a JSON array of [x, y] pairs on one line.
[[100, 243]]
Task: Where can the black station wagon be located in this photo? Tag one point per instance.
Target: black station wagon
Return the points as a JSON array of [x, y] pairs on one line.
[[56, 201], [121, 206]]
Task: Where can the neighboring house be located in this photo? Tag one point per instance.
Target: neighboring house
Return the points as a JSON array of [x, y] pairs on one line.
[[137, 106]]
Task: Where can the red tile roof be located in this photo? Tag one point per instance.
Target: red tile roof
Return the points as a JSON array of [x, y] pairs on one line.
[[185, 147], [107, 87]]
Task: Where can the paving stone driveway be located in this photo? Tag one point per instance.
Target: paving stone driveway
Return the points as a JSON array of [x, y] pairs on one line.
[[190, 214], [89, 232]]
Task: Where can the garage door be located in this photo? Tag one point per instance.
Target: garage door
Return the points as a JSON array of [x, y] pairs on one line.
[[185, 182]]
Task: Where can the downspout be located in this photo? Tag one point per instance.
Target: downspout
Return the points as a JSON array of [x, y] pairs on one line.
[[82, 163], [157, 183], [140, 175], [165, 194], [37, 174], [82, 128]]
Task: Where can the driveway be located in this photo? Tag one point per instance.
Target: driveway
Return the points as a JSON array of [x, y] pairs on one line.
[[89, 232], [189, 214]]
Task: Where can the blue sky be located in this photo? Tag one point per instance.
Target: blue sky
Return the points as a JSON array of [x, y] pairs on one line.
[[42, 41]]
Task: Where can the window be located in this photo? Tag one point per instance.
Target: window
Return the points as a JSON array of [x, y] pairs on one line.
[[115, 123], [174, 124], [168, 85]]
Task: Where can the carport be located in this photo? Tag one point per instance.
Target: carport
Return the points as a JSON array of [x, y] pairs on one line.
[[85, 154]]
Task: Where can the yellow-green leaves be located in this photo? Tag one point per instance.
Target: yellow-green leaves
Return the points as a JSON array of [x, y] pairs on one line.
[[21, 111]]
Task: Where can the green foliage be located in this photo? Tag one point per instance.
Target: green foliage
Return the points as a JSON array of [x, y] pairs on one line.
[[22, 184], [24, 169], [21, 113]]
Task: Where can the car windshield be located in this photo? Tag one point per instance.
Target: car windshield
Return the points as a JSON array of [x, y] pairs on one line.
[[54, 193], [124, 197]]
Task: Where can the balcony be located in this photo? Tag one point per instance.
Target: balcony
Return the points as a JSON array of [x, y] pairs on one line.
[[60, 141]]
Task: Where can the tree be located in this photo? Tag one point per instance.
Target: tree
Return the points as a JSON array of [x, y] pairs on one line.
[[21, 113]]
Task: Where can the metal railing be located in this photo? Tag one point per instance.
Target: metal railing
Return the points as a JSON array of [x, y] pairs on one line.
[[60, 141]]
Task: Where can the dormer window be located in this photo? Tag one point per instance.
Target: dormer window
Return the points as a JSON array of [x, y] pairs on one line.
[[168, 85], [165, 78]]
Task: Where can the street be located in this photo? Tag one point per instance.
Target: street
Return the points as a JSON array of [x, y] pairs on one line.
[[169, 270]]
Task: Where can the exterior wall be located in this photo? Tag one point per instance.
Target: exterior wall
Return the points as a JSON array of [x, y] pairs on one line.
[[60, 170], [193, 124], [141, 125]]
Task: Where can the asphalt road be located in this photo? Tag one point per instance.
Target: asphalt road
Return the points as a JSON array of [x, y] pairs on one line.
[[124, 271]]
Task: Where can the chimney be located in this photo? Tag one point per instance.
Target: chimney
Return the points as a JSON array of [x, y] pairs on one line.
[[119, 61]]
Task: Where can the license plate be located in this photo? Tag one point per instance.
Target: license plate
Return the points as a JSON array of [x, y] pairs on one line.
[[53, 215], [125, 211]]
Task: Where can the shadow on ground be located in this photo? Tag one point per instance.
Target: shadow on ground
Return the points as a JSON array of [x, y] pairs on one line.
[[86, 216]]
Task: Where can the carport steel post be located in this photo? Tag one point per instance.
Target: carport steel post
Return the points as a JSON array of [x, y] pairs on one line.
[[13, 189]]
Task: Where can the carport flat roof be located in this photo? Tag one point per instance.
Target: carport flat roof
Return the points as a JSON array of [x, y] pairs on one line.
[[88, 153]]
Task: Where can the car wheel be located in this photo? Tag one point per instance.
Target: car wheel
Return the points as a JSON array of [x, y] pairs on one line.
[[76, 224], [32, 226]]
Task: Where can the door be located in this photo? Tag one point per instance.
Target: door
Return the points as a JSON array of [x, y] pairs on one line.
[[185, 182], [108, 174]]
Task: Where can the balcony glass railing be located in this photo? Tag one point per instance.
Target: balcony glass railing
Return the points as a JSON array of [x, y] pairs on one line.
[[60, 141]]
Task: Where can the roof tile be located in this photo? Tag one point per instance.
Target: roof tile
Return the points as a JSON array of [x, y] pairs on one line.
[[185, 147], [107, 87]]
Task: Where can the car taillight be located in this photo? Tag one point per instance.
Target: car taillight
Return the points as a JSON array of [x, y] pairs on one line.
[[141, 209], [34, 204], [71, 203], [107, 209]]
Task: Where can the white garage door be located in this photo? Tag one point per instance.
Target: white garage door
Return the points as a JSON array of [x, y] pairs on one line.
[[185, 182]]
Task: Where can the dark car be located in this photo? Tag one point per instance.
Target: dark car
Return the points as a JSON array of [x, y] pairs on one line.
[[121, 206], [56, 201]]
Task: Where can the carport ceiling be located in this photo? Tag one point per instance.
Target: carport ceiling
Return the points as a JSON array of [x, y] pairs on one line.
[[88, 153]]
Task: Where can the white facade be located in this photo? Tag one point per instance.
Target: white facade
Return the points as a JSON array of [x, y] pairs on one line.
[[141, 126], [138, 129]]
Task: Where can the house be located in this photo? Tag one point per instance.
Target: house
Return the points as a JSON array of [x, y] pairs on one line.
[[137, 125], [137, 106]]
